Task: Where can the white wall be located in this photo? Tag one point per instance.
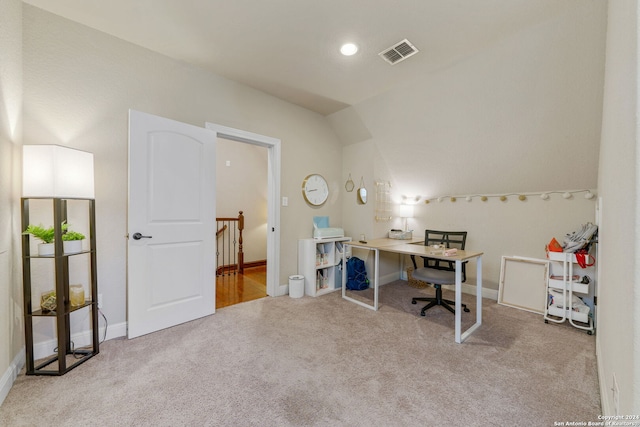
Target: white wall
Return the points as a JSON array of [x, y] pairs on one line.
[[618, 338], [521, 115], [11, 312], [507, 228], [78, 86]]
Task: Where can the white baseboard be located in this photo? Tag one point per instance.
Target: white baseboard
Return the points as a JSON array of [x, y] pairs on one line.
[[471, 289], [605, 391], [115, 331], [10, 375], [282, 290], [387, 278], [466, 288], [45, 348]]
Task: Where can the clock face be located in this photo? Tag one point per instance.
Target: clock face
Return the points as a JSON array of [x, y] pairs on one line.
[[315, 189]]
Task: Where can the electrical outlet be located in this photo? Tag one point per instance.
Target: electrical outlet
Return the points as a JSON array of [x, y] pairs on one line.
[[616, 396], [99, 300]]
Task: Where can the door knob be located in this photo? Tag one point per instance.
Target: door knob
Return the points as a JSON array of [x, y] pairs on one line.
[[138, 236]]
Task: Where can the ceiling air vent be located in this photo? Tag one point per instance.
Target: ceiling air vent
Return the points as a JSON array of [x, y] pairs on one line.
[[398, 52]]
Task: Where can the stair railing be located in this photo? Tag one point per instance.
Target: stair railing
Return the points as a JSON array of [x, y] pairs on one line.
[[229, 253]]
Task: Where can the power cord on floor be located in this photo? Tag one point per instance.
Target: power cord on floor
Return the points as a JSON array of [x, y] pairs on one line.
[[73, 351], [106, 324], [104, 338]]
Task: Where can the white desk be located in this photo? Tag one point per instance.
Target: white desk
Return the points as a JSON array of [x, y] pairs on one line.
[[416, 247]]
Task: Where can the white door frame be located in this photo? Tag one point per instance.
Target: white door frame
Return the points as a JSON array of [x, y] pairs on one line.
[[273, 197]]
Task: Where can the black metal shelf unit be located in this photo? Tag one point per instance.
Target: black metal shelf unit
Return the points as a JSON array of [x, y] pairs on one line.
[[66, 357]]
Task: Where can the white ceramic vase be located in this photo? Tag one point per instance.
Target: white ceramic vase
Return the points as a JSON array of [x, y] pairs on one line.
[[46, 249], [72, 246]]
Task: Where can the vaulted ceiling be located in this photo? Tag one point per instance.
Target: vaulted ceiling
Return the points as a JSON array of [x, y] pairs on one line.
[[290, 48]]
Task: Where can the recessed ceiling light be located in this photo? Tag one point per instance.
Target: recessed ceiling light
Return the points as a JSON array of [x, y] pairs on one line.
[[348, 49]]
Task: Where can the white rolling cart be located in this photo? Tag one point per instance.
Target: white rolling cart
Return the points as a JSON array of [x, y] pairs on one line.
[[567, 284]]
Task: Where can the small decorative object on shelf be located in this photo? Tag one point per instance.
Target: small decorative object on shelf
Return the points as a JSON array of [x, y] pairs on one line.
[[71, 240], [76, 295], [401, 235], [48, 301], [45, 235]]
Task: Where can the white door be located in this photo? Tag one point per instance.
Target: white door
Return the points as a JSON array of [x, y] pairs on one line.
[[171, 223]]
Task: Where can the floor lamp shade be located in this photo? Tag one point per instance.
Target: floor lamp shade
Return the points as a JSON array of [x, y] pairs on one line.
[[56, 171]]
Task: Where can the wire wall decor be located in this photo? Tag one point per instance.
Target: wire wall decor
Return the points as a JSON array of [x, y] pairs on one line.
[[383, 201]]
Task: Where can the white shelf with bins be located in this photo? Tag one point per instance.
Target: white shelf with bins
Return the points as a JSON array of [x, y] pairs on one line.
[[563, 278], [319, 261]]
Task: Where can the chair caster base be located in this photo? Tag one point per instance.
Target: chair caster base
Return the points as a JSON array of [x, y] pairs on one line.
[[444, 303]]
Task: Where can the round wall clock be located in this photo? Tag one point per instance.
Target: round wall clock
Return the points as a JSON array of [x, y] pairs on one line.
[[315, 189]]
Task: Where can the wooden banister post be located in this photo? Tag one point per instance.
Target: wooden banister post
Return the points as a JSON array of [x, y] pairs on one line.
[[240, 253]]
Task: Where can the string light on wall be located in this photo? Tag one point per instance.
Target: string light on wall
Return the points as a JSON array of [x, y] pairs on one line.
[[410, 200], [523, 197]]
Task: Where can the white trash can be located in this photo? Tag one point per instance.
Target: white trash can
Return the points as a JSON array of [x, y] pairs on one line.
[[296, 286]]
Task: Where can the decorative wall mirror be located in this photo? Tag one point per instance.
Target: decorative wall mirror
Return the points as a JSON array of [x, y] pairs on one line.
[[362, 192], [349, 185]]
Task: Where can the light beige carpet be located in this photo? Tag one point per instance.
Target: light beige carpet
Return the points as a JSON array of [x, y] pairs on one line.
[[326, 362]]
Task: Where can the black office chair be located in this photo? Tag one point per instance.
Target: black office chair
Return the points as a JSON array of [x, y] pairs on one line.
[[439, 272]]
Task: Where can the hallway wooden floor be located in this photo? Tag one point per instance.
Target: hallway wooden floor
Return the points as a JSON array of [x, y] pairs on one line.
[[237, 288]]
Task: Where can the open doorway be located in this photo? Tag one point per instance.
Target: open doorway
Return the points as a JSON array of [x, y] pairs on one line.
[[242, 192], [273, 196]]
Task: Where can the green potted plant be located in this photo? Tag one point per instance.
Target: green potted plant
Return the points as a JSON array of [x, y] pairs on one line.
[[71, 240], [45, 235]]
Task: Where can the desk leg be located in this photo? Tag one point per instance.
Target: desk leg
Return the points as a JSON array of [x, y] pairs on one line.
[[461, 337], [479, 290], [376, 274], [458, 301], [375, 278], [344, 271]]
